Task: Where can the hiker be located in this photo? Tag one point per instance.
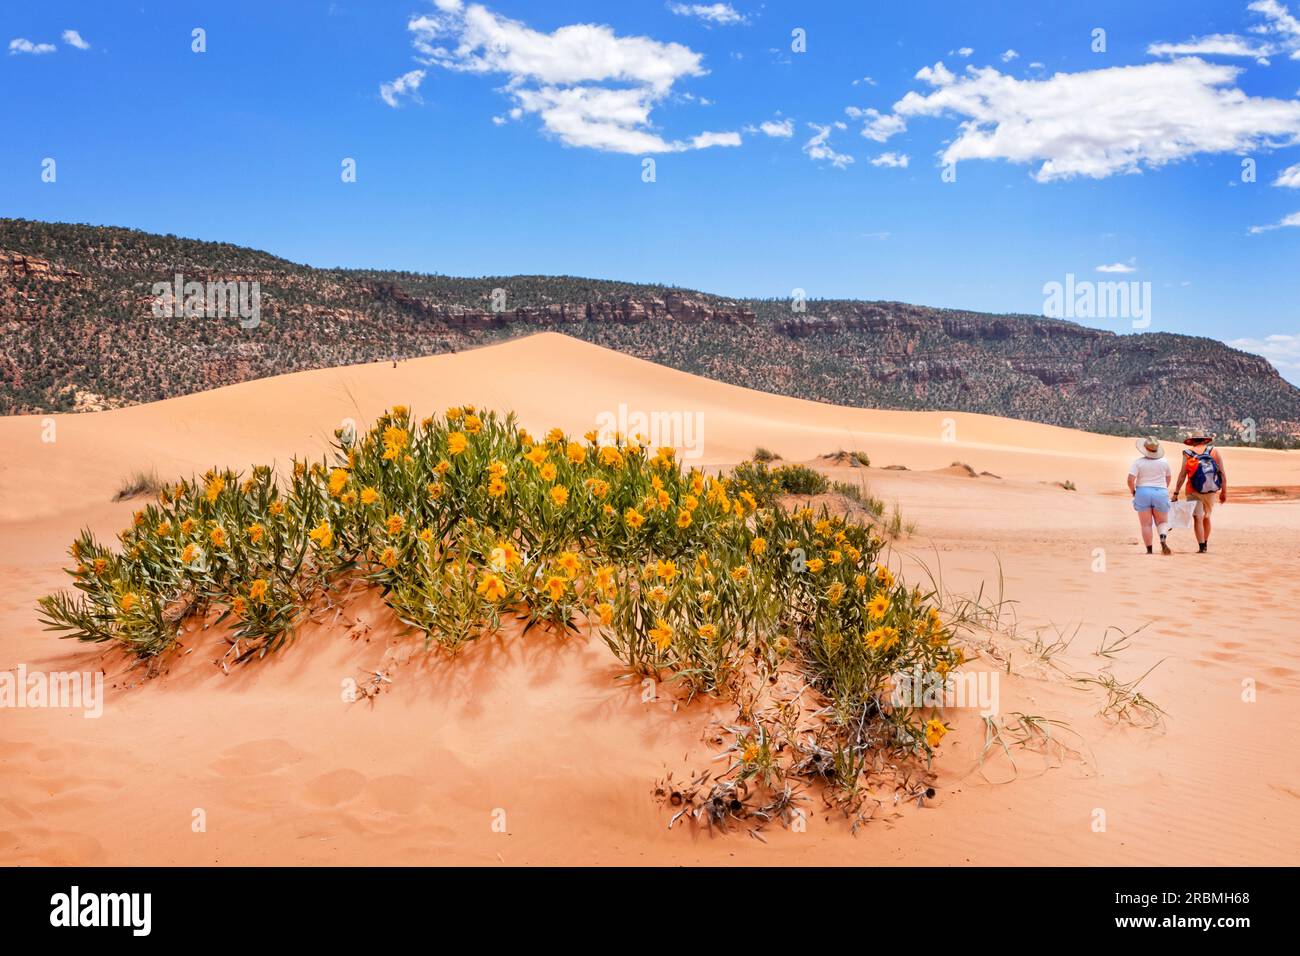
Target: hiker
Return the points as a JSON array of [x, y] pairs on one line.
[[1148, 483], [1206, 480]]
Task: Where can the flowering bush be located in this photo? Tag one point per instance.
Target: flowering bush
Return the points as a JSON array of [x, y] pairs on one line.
[[464, 519]]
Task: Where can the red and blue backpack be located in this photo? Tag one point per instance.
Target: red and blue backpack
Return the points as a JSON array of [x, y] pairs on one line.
[[1202, 470]]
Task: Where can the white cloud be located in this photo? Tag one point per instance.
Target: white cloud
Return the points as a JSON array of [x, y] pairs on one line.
[[408, 84], [20, 45], [1281, 29], [1118, 267], [589, 86], [1282, 350], [782, 129], [892, 160], [964, 51], [721, 13], [1287, 222], [73, 38], [818, 147], [705, 140], [1009, 55], [878, 126], [1098, 123], [866, 79], [1289, 177]]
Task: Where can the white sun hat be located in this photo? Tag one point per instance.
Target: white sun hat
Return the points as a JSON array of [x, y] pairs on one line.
[[1150, 447]]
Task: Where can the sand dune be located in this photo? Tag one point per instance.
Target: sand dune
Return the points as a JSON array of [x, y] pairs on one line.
[[536, 732]]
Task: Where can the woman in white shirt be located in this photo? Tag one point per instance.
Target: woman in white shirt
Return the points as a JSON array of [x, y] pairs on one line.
[[1148, 482]]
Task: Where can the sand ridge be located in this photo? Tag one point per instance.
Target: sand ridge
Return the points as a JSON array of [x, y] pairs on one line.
[[536, 727]]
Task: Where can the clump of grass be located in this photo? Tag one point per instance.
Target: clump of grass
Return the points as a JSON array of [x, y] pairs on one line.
[[765, 455], [1124, 702], [854, 459], [139, 483], [894, 526], [465, 521], [1069, 486], [859, 495], [964, 467]]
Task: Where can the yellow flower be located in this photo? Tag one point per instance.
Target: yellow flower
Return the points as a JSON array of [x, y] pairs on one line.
[[255, 532], [835, 592], [395, 524], [683, 519], [547, 471], [338, 481], [349, 498], [934, 732], [556, 586], [455, 414], [575, 453], [555, 436], [492, 587], [740, 574], [661, 634], [504, 555], [606, 612], [217, 536], [659, 594], [815, 565], [189, 554], [666, 570], [164, 528], [388, 558], [238, 606], [496, 488], [187, 526], [435, 490], [394, 441], [277, 508], [835, 557], [257, 590], [128, 601], [568, 562], [399, 411], [369, 495], [878, 607], [860, 581], [633, 518], [690, 502], [597, 487], [757, 547], [605, 578], [456, 443], [708, 631], [884, 577], [473, 424], [536, 455], [560, 495], [323, 535], [751, 753], [610, 457], [215, 485], [442, 467], [426, 535]]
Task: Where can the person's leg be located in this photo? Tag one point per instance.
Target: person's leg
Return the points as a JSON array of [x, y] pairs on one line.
[[1198, 522], [1145, 520], [1205, 523], [1161, 519]]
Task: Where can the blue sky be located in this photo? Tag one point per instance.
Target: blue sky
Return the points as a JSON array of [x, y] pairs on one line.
[[509, 137]]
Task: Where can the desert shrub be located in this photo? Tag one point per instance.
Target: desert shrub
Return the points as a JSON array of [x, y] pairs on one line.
[[464, 519], [765, 455], [801, 480], [858, 495], [139, 483]]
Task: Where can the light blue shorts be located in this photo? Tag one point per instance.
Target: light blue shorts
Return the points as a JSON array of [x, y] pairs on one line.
[[1148, 498]]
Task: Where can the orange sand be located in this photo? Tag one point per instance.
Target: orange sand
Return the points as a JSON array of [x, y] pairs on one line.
[[537, 727]]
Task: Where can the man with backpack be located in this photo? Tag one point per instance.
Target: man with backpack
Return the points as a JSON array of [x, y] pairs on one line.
[[1206, 480]]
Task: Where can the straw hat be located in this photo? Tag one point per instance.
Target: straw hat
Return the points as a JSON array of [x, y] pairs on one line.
[[1150, 447]]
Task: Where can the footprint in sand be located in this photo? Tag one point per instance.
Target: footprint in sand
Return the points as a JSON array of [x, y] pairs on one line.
[[333, 788], [256, 756]]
